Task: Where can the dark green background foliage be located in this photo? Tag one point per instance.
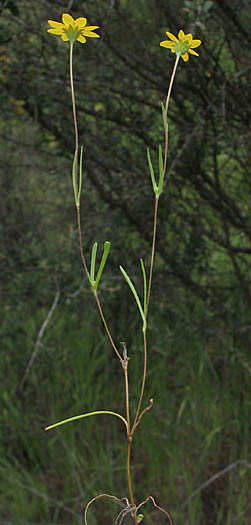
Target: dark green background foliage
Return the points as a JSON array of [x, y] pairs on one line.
[[199, 325]]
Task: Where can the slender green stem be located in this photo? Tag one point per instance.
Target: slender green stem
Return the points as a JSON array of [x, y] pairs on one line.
[[142, 384], [74, 116], [154, 242], [80, 241], [78, 207], [153, 252], [106, 327], [166, 111], [76, 155], [164, 172], [95, 294]]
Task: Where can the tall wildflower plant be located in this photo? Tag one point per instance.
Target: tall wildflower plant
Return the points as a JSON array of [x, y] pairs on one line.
[[71, 30]]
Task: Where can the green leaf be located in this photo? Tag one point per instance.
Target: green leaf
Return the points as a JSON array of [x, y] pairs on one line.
[[94, 282], [74, 177], [139, 518], [80, 174], [144, 281], [97, 412], [155, 188], [161, 172], [93, 262], [130, 284], [102, 264]]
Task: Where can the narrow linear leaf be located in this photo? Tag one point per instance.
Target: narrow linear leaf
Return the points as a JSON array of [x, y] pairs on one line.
[[93, 262], [164, 117], [80, 174], [130, 284], [151, 171], [97, 412], [102, 264], [144, 281], [74, 176], [161, 172]]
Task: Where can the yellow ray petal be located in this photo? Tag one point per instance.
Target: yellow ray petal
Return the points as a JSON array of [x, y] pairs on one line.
[[168, 44], [64, 37], [85, 32], [172, 37], [193, 52], [68, 20], [81, 39], [81, 22], [181, 35], [91, 28], [195, 43], [55, 31], [189, 38], [185, 57], [55, 24]]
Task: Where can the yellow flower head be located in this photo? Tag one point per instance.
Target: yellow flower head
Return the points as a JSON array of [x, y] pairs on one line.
[[72, 29], [182, 45]]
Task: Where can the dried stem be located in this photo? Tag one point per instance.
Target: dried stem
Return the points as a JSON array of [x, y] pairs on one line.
[[156, 506], [114, 498], [143, 412]]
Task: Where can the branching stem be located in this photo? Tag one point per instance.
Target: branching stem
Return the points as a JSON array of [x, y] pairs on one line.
[[124, 360]]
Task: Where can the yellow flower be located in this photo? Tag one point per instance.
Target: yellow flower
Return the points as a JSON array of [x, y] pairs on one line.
[[72, 29], [182, 45]]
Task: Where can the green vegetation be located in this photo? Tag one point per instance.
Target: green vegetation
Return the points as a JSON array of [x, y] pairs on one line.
[[199, 425], [192, 451]]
